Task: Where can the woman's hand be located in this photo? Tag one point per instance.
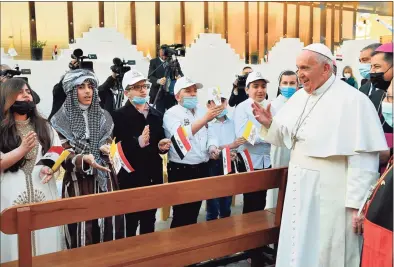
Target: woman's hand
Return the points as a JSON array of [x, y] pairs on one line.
[[89, 159], [28, 142], [46, 174]]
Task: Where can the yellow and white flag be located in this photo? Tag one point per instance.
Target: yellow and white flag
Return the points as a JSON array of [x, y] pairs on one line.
[[250, 133]]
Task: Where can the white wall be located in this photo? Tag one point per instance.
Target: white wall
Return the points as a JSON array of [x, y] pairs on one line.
[[210, 60]]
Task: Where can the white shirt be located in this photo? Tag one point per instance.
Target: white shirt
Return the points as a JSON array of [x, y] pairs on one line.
[[278, 103], [200, 142], [260, 152], [223, 131]]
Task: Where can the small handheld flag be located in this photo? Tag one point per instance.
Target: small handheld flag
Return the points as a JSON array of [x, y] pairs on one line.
[[247, 160], [119, 159], [214, 94], [250, 132], [54, 157], [181, 143], [226, 160]]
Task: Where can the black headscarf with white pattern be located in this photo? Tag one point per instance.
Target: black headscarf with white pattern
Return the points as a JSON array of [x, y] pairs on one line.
[[70, 123]]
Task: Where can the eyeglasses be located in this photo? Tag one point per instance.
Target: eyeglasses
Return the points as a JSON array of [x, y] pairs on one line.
[[138, 87]]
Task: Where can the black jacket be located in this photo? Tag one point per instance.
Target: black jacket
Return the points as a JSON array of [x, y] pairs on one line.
[[106, 95], [156, 72], [59, 96], [235, 100], [366, 87], [147, 163]]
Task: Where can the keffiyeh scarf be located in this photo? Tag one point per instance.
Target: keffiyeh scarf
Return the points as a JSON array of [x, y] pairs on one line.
[[70, 123]]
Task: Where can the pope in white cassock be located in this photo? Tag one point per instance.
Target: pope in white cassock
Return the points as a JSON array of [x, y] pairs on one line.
[[334, 161]]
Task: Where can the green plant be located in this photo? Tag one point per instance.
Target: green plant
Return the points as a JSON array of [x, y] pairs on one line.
[[38, 44]]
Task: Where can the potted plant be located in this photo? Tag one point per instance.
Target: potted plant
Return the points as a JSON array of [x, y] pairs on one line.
[[37, 48], [254, 57]]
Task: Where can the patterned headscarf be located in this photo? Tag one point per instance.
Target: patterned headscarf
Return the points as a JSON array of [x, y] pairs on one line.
[[70, 123]]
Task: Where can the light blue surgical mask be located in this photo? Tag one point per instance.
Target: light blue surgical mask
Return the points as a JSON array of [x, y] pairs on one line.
[[223, 113], [387, 111], [364, 69], [140, 100], [287, 91], [190, 102]]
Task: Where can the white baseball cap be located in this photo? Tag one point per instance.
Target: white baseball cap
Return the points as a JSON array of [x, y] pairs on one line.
[[185, 82], [255, 76], [320, 49], [132, 77]]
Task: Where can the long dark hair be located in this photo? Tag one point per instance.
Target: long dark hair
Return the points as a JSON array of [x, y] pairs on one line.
[[9, 137]]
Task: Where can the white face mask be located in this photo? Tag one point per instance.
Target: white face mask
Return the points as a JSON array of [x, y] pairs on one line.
[[347, 75]]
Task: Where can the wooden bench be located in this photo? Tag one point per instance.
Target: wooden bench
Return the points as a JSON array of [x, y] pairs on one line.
[[172, 247]]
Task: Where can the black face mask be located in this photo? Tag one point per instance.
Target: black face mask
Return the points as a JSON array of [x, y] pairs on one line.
[[23, 107], [378, 81]]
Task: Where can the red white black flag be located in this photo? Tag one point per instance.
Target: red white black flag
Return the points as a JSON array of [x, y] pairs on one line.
[[181, 143]]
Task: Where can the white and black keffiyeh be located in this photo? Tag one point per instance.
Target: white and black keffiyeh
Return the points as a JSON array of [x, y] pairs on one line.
[[70, 123]]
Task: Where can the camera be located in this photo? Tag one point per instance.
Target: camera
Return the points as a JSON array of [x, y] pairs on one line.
[[178, 50], [241, 81], [81, 64], [10, 73], [120, 67]]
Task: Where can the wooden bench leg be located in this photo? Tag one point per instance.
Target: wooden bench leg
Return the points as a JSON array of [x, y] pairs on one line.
[[233, 201], [165, 211]]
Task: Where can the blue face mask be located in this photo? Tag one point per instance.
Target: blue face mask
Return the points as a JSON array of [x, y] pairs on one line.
[[222, 114], [387, 111], [364, 69], [288, 91], [190, 102], [140, 100]]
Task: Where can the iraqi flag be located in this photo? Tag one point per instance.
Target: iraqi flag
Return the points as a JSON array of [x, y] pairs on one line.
[[226, 160], [50, 158], [247, 160], [181, 143], [119, 158]]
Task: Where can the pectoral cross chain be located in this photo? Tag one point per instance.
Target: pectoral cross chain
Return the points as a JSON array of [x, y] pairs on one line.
[[294, 140]]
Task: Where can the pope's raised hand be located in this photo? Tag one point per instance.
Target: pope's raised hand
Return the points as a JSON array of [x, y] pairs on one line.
[[262, 115]]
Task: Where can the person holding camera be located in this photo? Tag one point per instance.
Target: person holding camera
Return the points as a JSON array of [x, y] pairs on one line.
[[238, 93], [7, 73], [111, 91], [163, 71], [108, 93]]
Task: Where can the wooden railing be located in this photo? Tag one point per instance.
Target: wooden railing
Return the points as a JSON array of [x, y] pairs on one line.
[[24, 219]]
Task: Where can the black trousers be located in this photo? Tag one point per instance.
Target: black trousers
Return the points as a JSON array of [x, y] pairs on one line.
[[145, 219], [186, 214]]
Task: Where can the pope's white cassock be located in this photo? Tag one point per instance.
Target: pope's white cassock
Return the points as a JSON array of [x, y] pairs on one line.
[[332, 166]]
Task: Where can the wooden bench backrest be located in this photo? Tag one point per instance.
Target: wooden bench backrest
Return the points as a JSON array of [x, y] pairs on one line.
[[23, 219]]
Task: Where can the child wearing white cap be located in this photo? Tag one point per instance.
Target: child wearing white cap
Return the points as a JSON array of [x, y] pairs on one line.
[[193, 165], [138, 127]]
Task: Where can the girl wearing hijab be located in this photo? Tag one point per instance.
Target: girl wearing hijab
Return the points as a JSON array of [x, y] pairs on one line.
[[280, 156], [25, 137], [85, 129]]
